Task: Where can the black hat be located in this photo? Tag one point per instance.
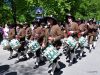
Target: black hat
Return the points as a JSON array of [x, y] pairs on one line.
[[90, 20], [70, 16], [11, 25], [50, 18], [78, 20], [35, 23], [20, 25], [26, 24], [42, 22]]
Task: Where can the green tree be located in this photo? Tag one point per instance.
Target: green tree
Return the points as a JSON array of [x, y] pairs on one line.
[[25, 9]]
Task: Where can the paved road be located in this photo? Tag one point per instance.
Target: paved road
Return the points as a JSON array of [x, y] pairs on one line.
[[89, 65]]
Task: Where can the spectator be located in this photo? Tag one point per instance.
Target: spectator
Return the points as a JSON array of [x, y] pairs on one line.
[[1, 33]]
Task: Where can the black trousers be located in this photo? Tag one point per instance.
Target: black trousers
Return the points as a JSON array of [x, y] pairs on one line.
[[38, 53], [22, 47], [1, 37]]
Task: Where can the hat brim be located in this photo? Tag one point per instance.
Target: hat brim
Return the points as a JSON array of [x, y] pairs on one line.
[[45, 19], [35, 22], [11, 25], [72, 17], [42, 22]]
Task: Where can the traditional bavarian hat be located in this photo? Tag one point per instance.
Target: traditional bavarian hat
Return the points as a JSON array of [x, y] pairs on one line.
[[50, 18], [90, 20], [35, 23], [42, 22], [11, 25], [69, 16]]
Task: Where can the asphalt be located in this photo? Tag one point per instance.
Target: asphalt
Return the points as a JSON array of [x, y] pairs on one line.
[[88, 65]]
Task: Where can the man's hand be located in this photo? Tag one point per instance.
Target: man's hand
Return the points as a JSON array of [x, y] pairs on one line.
[[51, 39], [36, 36], [43, 45]]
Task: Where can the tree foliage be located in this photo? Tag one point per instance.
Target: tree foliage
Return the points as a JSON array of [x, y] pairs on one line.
[[25, 9]]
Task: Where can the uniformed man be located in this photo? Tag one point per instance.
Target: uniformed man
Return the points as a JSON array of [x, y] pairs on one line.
[[82, 33], [21, 35], [53, 35], [95, 29], [72, 29], [37, 34], [28, 31], [91, 34], [11, 35]]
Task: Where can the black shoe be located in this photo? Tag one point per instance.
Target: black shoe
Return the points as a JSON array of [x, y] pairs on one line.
[[36, 66], [89, 50], [51, 73], [41, 61], [25, 58], [9, 58], [70, 64], [60, 54], [80, 57], [16, 61], [57, 69], [93, 47]]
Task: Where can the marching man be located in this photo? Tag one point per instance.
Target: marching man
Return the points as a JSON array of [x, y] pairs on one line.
[[37, 34], [53, 34], [11, 35], [72, 29]]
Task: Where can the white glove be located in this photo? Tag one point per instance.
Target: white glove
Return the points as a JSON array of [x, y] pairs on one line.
[[82, 33], [71, 31]]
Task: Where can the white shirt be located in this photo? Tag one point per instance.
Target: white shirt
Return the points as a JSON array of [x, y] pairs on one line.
[[6, 30]]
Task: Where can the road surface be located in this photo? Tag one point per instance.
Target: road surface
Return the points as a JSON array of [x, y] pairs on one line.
[[88, 65]]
